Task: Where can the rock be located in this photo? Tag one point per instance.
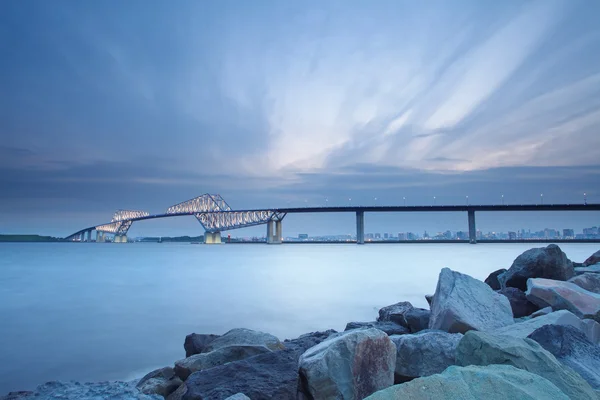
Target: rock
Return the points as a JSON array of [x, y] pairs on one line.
[[195, 343], [563, 317], [238, 396], [391, 328], [492, 279], [521, 307], [564, 296], [84, 391], [542, 311], [544, 262], [417, 319], [589, 281], [592, 268], [349, 366], [272, 375], [483, 348], [462, 303], [571, 347], [593, 259], [395, 313], [424, 354], [429, 298], [494, 382], [162, 381], [235, 345]]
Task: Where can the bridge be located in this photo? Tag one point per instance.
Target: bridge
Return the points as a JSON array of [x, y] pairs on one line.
[[216, 216]]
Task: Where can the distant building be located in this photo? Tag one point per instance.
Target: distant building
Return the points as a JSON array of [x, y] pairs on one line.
[[369, 236], [512, 235], [303, 236], [401, 236], [461, 235], [411, 236], [386, 236], [568, 233], [378, 236]]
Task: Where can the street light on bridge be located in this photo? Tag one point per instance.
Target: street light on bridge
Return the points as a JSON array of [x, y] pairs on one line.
[[467, 200], [404, 198], [434, 200], [585, 199], [502, 199], [542, 198]]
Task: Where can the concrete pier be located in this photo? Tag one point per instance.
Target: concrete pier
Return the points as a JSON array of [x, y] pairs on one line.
[[472, 229], [274, 232], [120, 239], [100, 237], [212, 238], [360, 227]]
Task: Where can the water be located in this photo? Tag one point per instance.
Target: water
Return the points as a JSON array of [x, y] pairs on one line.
[[91, 312]]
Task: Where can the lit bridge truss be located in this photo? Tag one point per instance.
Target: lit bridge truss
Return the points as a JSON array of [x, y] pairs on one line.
[[121, 221], [205, 203], [227, 220]]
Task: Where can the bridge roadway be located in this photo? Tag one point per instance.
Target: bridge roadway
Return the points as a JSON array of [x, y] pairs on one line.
[[360, 210]]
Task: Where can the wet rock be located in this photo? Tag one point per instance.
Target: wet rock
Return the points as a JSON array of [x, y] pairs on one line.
[[593, 259], [564, 296], [84, 391], [492, 279], [595, 269], [395, 313], [424, 354], [541, 311], [429, 299], [544, 262], [462, 303], [238, 396], [244, 337], [349, 366], [483, 348], [195, 343], [521, 307], [391, 328], [417, 319], [162, 381], [571, 347], [493, 382], [589, 281]]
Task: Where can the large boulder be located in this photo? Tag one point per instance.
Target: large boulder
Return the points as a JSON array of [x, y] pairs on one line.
[[424, 354], [521, 307], [235, 345], [429, 299], [462, 303], [493, 382], [564, 296], [589, 327], [395, 313], [541, 311], [588, 281], [238, 396], [571, 347], [84, 391], [162, 381], [349, 366], [417, 319], [594, 268], [272, 375], [195, 343], [391, 328], [544, 262], [493, 281], [483, 348], [593, 259]]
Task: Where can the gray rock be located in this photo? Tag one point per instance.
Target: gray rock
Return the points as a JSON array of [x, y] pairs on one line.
[[162, 381], [595, 269], [483, 348], [195, 343], [349, 366], [424, 354], [563, 317], [593, 259], [238, 396], [417, 319], [391, 328], [521, 307], [589, 281], [492, 279], [541, 311], [235, 345], [462, 303], [429, 299], [544, 262], [493, 382], [571, 347], [564, 296], [395, 313], [84, 391], [272, 375]]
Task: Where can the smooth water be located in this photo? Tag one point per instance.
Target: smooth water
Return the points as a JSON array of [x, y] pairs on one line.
[[91, 311]]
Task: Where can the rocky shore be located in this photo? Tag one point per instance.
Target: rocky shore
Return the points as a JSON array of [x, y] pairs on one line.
[[531, 331]]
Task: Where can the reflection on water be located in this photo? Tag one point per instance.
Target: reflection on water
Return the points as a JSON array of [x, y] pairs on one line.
[[105, 311]]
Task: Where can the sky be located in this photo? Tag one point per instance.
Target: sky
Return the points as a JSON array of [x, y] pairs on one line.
[[140, 105]]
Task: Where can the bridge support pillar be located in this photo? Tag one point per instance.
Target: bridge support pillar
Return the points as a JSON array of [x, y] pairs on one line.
[[360, 227], [99, 237], [274, 232], [472, 229], [120, 239], [88, 236], [212, 237]]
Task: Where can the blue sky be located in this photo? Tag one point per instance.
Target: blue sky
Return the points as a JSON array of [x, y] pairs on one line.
[[140, 105]]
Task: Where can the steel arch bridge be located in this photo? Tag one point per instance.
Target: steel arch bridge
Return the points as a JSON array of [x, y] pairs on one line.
[[211, 210]]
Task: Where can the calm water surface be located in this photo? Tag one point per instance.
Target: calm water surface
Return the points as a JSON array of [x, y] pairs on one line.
[[116, 311]]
